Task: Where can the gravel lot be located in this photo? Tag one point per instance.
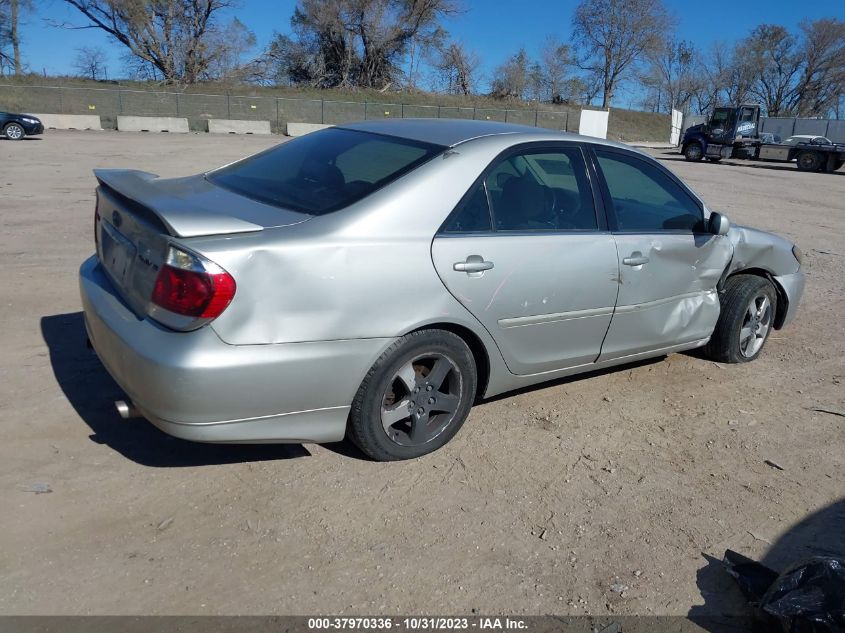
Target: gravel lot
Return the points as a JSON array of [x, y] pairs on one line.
[[599, 494]]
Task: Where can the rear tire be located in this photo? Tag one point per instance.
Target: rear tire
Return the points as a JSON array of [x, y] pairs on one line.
[[14, 132], [693, 152], [809, 161], [748, 309], [415, 398]]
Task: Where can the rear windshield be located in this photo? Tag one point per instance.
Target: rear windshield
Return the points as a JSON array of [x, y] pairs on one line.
[[324, 171]]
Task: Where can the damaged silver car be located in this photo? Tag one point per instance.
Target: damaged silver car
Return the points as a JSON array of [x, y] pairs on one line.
[[373, 281]]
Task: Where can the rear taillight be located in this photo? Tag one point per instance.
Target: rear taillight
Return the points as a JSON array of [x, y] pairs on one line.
[[190, 290]]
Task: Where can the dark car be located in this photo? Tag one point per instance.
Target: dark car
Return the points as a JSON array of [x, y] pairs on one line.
[[16, 126]]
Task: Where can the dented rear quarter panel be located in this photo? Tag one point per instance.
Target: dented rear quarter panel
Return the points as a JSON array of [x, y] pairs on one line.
[[363, 272]]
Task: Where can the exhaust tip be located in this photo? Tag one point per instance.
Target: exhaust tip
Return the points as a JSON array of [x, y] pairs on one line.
[[126, 410]]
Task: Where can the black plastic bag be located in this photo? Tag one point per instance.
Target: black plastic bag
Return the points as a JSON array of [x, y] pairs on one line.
[[808, 597]]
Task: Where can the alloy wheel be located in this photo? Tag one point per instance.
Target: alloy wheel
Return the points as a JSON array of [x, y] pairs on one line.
[[755, 326], [422, 399], [14, 131]]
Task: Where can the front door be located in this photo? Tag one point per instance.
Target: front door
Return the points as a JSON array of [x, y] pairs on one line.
[[669, 265], [526, 253]]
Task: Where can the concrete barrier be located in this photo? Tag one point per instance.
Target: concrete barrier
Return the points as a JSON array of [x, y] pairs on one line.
[[174, 125], [70, 121], [299, 129], [238, 126]]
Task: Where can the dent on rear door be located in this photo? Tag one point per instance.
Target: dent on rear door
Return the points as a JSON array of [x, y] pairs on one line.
[[672, 299]]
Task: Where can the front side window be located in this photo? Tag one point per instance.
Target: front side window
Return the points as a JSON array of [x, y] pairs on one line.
[[645, 198], [542, 191], [324, 171]]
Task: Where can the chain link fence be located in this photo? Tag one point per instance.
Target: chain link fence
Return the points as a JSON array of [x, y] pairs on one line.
[[108, 103]]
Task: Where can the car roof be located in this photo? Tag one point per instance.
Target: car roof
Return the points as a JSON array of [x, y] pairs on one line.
[[451, 132]]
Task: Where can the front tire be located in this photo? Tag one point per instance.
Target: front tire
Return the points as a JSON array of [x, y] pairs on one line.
[[748, 309], [693, 152], [14, 132], [415, 398], [809, 161]]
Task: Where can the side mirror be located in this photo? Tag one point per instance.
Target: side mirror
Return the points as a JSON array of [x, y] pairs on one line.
[[719, 224]]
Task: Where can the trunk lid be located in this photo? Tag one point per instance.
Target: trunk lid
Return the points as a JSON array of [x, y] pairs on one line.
[[140, 214]]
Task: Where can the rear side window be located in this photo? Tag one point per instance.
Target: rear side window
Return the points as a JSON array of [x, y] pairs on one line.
[[472, 215], [324, 171], [532, 191], [646, 199]]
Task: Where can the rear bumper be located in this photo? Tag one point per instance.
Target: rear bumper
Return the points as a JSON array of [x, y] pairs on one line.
[[793, 287], [194, 386]]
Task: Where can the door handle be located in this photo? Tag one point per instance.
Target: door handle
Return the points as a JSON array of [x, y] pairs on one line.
[[473, 264], [635, 259]]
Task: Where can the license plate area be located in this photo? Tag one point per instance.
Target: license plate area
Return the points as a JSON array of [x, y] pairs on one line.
[[116, 254]]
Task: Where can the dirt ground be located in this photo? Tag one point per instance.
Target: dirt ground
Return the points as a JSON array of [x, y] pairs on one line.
[[598, 494]]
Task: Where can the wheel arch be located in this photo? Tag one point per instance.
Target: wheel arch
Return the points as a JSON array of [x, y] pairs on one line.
[[476, 346], [783, 300]]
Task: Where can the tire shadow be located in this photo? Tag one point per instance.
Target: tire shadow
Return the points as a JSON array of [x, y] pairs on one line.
[[92, 392]]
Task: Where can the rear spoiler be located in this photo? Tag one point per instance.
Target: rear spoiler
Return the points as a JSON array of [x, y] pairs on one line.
[[142, 193]]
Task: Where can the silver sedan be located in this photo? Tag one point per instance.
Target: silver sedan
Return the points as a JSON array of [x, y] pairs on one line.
[[373, 281]]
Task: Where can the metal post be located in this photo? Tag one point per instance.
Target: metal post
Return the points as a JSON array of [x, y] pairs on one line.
[[566, 121], [322, 110], [474, 113], [177, 104], [506, 115], [228, 107], [536, 116], [278, 124], [402, 110], [61, 102], [438, 111], [119, 100], [365, 110]]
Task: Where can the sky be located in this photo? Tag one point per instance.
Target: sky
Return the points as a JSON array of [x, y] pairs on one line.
[[495, 29]]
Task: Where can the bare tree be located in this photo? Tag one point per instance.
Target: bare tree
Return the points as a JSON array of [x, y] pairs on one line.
[[356, 42], [6, 57], [613, 35], [177, 37], [10, 40], [512, 78], [671, 78], [457, 67], [557, 64], [821, 83], [227, 47], [14, 36], [775, 63], [90, 62]]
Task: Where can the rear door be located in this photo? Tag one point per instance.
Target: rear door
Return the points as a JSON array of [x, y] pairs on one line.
[[669, 264], [527, 251]]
